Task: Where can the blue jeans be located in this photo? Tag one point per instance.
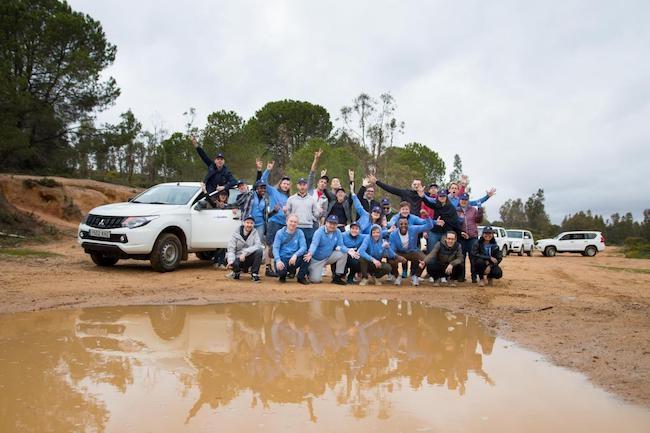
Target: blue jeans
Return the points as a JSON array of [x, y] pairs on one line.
[[467, 245], [300, 265], [309, 234], [434, 238]]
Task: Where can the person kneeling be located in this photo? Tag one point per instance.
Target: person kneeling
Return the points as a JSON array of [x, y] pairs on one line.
[[372, 250], [245, 250], [487, 255], [445, 260], [326, 248], [289, 246]]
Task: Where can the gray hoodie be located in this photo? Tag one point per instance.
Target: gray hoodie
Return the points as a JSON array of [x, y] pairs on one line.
[[238, 245], [306, 208]]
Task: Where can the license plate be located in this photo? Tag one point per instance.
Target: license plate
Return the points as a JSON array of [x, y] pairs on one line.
[[100, 233]]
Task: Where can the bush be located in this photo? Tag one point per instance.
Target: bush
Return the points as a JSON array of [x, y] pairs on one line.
[[636, 248], [44, 181]]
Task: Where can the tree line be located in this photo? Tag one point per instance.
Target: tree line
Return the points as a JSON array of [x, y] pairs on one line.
[[51, 88]]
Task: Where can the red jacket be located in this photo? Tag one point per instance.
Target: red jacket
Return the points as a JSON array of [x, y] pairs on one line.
[[470, 218]]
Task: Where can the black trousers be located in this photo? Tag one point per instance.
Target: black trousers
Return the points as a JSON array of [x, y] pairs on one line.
[[353, 266], [252, 261], [437, 270], [481, 265]]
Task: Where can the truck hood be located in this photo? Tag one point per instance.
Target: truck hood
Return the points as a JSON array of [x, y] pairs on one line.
[[135, 209]]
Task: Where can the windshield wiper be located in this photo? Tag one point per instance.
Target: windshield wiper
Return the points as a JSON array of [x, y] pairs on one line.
[[152, 202]]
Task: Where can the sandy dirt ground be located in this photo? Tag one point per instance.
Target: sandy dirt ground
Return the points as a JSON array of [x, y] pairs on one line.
[[587, 314]]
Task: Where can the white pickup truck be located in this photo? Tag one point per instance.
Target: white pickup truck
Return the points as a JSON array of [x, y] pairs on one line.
[[162, 225]]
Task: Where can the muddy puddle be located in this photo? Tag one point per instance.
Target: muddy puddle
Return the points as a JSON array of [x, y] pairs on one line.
[[329, 366]]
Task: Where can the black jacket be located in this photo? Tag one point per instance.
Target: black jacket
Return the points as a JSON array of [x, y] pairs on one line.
[[216, 177], [365, 203], [479, 253], [408, 195], [447, 212]]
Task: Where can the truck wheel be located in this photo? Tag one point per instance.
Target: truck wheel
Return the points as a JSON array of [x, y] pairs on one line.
[[521, 251], [590, 251], [530, 252], [205, 255], [167, 253], [505, 250], [101, 260], [550, 251]]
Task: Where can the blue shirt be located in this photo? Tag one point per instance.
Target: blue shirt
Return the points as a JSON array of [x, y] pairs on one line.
[[413, 220], [286, 245], [364, 217], [371, 249], [258, 209], [276, 197], [413, 232], [323, 244], [353, 242]]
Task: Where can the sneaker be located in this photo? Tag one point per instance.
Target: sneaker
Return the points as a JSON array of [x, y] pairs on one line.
[[415, 280], [443, 280], [255, 278], [338, 280], [431, 280], [303, 281], [490, 282], [452, 283], [282, 280], [474, 280], [389, 277], [291, 275], [233, 275], [436, 283], [377, 282], [481, 283], [270, 273], [363, 282], [398, 281], [350, 280]]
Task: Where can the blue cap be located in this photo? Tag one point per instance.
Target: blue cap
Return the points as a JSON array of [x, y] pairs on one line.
[[488, 229], [219, 155], [464, 196], [333, 219], [354, 223], [302, 180], [376, 209], [249, 217], [260, 183], [385, 202], [241, 182], [443, 193]]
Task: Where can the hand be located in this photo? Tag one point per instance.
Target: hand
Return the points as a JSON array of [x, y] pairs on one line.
[[377, 263], [448, 269], [425, 235], [354, 254], [242, 257], [307, 257], [392, 229], [203, 188], [276, 207], [269, 165], [351, 175], [292, 260], [385, 244], [279, 265], [220, 188], [258, 164], [464, 235], [285, 209], [422, 264], [440, 222], [493, 260], [229, 265], [464, 180], [491, 191], [195, 143], [323, 172], [234, 211], [372, 178], [318, 153], [365, 182]]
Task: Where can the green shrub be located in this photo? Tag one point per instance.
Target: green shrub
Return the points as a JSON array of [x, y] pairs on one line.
[[637, 248]]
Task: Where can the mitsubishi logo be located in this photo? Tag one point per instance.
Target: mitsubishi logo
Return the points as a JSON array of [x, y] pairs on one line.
[[101, 223]]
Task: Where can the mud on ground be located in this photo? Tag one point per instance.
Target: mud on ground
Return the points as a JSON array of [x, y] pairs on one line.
[[587, 314]]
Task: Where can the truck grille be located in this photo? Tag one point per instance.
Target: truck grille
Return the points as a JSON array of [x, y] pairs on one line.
[[104, 222]]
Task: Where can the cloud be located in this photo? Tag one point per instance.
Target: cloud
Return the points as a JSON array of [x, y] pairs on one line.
[[530, 95]]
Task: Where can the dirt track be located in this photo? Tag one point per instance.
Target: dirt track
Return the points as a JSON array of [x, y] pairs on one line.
[[599, 322]]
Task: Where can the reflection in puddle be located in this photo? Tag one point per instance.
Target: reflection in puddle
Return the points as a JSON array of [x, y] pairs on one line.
[[313, 366]]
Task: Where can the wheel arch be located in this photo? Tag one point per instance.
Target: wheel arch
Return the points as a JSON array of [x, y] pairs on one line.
[[180, 233]]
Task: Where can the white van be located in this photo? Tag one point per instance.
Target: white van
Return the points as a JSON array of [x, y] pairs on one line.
[[520, 242], [587, 243]]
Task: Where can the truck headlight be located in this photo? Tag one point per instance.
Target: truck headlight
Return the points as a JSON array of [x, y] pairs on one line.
[[134, 222]]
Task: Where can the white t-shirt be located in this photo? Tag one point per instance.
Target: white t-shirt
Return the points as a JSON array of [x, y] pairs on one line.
[[405, 240]]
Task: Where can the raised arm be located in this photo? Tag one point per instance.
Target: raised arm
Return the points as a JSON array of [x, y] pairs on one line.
[[428, 225], [389, 188], [311, 177], [489, 193], [358, 206], [204, 156]]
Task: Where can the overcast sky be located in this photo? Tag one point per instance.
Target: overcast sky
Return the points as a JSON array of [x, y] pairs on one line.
[[545, 94]]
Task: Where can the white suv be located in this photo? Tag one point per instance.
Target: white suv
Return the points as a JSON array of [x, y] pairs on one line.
[[162, 225], [520, 242], [587, 243], [500, 236]]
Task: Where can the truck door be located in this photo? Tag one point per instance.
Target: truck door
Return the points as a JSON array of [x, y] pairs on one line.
[[212, 228]]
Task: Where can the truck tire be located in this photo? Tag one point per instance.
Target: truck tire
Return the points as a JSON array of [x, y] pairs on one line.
[[530, 252], [167, 253], [591, 251], [205, 255], [521, 251], [101, 260], [550, 251]]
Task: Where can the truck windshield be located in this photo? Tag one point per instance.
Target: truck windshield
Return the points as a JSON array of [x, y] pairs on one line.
[[167, 194], [515, 234]]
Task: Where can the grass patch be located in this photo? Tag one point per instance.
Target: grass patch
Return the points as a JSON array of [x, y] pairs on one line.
[[633, 270], [26, 252]]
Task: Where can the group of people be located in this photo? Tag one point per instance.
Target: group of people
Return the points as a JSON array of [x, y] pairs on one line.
[[360, 239]]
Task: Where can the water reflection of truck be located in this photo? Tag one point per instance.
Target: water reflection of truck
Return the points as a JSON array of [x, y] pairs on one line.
[[156, 332]]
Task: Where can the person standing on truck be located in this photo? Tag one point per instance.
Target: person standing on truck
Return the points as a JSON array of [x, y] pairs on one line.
[[219, 176]]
